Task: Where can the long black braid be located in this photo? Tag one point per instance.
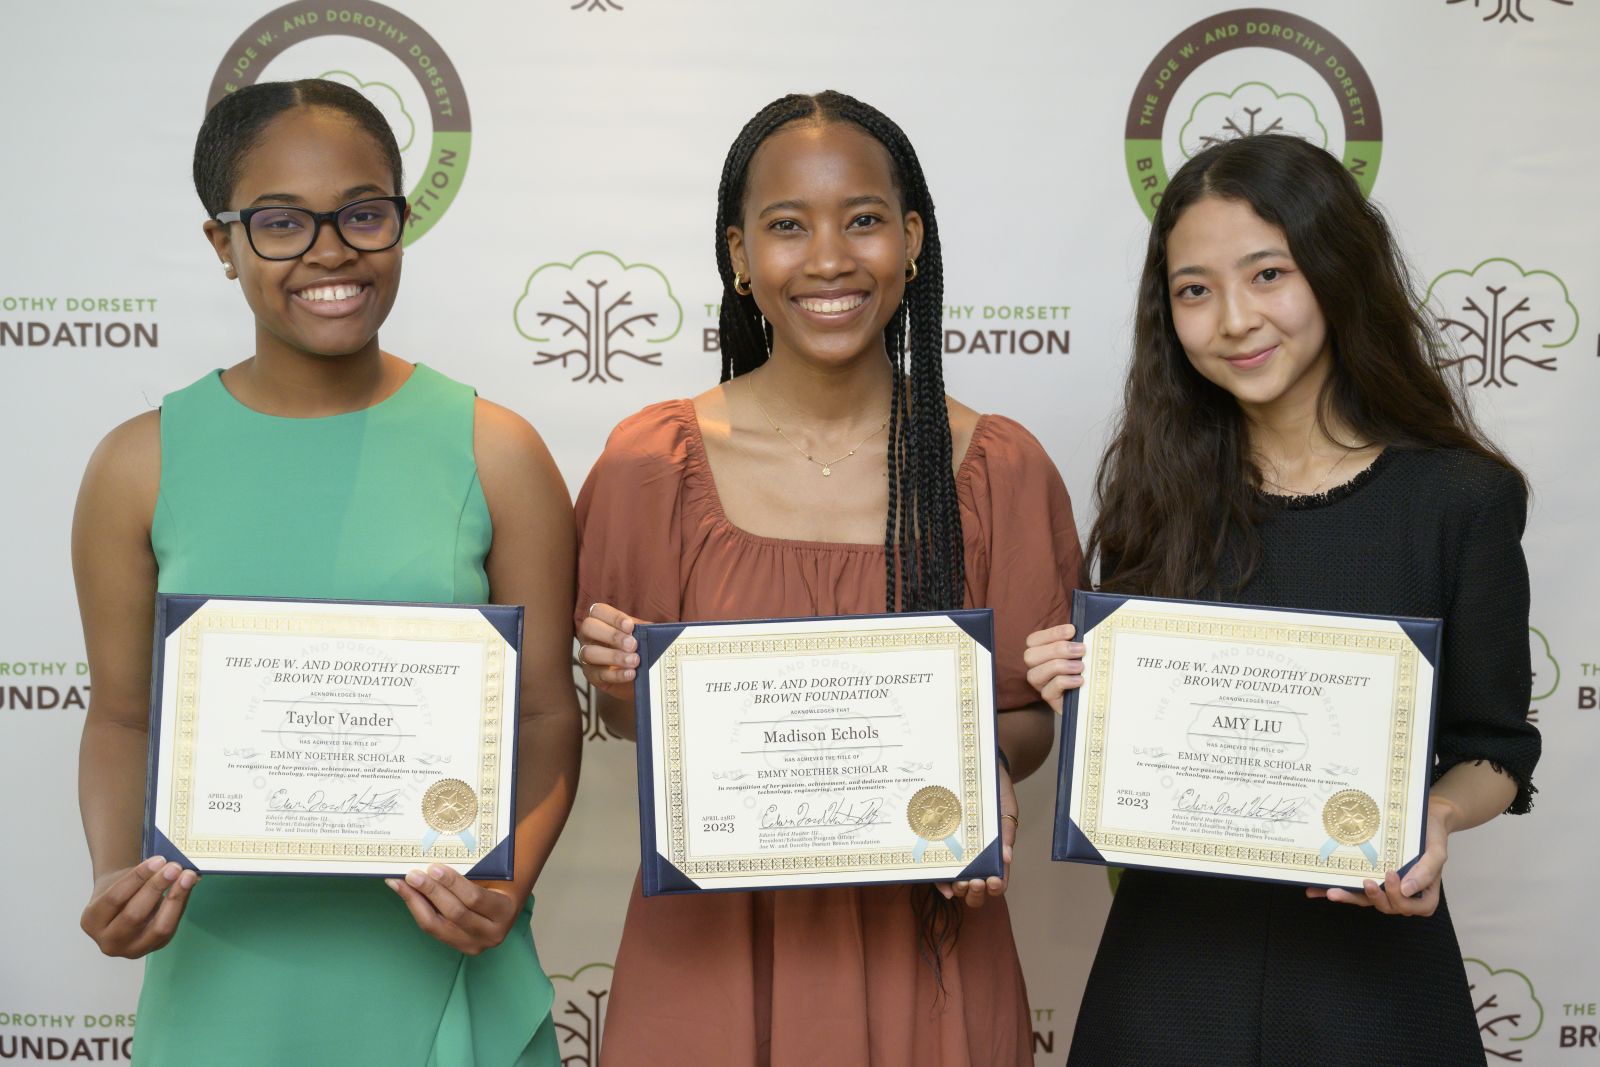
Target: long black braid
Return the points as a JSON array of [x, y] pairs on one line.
[[923, 545]]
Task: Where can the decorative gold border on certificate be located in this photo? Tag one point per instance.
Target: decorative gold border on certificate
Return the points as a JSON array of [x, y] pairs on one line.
[[1403, 704], [855, 642], [470, 628]]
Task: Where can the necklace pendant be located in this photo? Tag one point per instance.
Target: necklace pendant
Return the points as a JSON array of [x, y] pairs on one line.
[[826, 471]]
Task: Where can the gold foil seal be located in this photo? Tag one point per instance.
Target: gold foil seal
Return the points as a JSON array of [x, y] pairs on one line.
[[449, 806], [934, 813], [1350, 817]]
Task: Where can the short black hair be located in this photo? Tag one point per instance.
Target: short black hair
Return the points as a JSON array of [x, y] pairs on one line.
[[234, 124]]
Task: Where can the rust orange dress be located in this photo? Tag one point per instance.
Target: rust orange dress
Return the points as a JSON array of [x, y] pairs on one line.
[[801, 977]]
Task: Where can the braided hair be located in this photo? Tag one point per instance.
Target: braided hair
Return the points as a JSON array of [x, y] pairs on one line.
[[923, 546]]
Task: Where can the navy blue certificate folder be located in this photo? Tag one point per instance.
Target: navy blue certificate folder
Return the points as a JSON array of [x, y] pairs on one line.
[[348, 742], [1215, 739], [835, 761]]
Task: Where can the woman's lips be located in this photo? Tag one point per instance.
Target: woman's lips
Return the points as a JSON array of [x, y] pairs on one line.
[[1251, 361], [332, 301], [831, 309]]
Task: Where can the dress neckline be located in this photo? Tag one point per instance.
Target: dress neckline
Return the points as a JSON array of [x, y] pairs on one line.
[[240, 405], [1342, 491], [702, 464]]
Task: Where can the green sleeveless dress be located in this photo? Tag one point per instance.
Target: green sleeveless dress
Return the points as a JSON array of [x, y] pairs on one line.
[[380, 504]]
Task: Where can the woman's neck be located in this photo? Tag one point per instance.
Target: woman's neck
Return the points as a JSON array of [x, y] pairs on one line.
[[825, 395], [281, 380]]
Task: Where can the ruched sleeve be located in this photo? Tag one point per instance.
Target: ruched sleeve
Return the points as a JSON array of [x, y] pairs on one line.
[[630, 522], [1023, 547], [1486, 676]]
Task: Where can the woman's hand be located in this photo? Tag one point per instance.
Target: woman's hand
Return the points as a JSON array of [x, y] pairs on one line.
[[608, 652], [1055, 663], [1418, 892], [978, 890], [470, 917], [136, 910]]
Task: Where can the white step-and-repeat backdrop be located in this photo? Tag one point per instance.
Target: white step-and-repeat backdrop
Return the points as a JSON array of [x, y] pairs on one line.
[[551, 145]]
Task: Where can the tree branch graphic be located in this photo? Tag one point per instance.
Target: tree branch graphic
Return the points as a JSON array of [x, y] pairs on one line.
[[597, 315], [1507, 10], [1498, 315]]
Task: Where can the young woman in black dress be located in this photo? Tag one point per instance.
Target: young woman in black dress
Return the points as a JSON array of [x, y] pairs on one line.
[[1289, 439]]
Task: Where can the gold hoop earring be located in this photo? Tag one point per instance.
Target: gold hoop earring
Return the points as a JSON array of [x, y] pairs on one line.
[[741, 284], [911, 270]]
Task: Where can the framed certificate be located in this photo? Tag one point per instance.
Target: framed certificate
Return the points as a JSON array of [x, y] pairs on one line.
[[816, 752], [1263, 743], [333, 737]]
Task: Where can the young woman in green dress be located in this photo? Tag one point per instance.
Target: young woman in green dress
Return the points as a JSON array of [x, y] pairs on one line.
[[320, 466]]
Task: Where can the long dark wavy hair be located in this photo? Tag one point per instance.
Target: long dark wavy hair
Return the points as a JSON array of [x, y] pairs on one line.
[[922, 531], [1177, 485]]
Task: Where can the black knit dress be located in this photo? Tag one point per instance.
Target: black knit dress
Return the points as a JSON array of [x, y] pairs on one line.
[[1197, 970]]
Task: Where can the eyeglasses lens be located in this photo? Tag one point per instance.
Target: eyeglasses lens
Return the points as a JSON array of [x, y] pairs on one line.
[[284, 233], [370, 225]]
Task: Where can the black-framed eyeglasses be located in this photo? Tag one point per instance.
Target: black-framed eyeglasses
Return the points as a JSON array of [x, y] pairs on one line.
[[274, 232]]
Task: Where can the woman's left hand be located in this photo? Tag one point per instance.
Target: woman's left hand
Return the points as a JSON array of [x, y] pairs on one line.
[[1418, 892], [470, 917], [978, 890]]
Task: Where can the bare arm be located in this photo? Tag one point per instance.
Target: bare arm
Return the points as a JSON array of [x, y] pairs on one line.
[[532, 563], [1025, 735], [133, 909]]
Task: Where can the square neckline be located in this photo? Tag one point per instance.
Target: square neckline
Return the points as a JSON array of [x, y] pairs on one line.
[[702, 463]]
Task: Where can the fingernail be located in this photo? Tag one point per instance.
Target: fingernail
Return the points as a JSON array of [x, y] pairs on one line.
[[627, 676], [1408, 887], [172, 872], [415, 878], [630, 643], [154, 863], [1076, 649], [437, 872], [189, 879], [633, 661], [392, 883]]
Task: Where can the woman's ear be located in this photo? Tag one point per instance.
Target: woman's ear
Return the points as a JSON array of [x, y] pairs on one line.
[[221, 243], [913, 225], [736, 251]]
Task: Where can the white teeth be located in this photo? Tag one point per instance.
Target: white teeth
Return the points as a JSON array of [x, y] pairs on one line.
[[330, 292], [833, 307]]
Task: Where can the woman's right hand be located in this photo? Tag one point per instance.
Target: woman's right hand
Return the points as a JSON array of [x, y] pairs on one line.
[[1055, 663], [608, 652], [136, 910]]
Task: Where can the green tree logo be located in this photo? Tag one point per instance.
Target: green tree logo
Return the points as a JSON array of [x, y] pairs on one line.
[[1506, 10], [1252, 108], [1500, 315], [1322, 64], [579, 1013], [1508, 1010], [449, 149], [596, 314]]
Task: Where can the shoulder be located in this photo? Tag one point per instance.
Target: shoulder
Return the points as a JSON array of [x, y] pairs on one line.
[[1004, 447], [125, 468], [510, 453], [656, 435], [1461, 482]]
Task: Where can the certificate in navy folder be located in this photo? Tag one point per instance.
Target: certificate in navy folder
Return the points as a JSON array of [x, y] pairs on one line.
[[333, 737], [1251, 742], [784, 753]]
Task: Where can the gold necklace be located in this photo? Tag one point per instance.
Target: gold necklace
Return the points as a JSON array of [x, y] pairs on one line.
[[827, 468], [1325, 476]]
